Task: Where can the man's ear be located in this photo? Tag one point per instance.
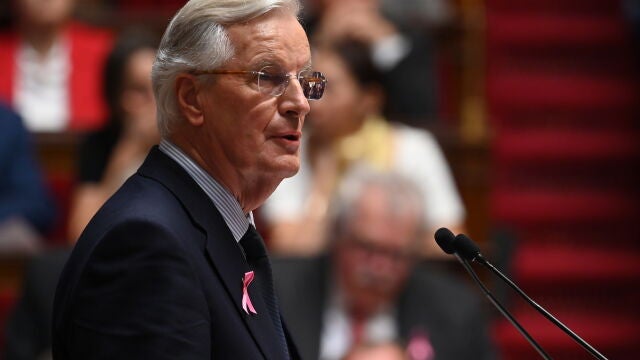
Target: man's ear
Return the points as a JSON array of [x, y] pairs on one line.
[[187, 88]]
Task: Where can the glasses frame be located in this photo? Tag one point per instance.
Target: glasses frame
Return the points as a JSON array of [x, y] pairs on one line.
[[281, 88]]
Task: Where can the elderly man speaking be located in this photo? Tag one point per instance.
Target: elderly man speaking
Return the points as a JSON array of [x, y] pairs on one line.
[[172, 267]]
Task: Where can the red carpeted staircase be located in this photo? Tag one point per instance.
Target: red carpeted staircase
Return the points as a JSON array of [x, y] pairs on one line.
[[562, 94]]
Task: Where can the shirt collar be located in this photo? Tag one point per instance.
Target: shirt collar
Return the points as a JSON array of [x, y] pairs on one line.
[[229, 207]]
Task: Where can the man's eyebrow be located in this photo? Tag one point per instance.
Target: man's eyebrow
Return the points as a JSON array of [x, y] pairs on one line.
[[261, 64], [268, 61]]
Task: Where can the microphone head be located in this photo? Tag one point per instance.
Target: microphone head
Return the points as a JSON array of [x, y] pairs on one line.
[[466, 248], [444, 237]]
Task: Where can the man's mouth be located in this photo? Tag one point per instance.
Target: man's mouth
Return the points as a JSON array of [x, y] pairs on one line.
[[289, 135]]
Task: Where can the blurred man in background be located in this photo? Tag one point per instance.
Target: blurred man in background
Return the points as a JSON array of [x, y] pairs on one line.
[[26, 209], [370, 289]]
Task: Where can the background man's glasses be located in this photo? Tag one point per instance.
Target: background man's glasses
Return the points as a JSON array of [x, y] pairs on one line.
[[272, 82], [399, 256]]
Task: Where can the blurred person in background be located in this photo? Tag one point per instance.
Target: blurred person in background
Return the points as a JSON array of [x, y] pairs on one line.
[[26, 209], [347, 127], [370, 289], [399, 35], [50, 67], [108, 157]]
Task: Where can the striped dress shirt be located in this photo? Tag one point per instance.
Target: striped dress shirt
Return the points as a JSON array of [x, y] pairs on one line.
[[223, 200]]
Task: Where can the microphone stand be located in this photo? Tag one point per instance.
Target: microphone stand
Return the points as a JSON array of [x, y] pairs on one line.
[[502, 310], [480, 259]]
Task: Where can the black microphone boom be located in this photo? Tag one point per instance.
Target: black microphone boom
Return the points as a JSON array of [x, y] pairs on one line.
[[468, 250], [445, 239]]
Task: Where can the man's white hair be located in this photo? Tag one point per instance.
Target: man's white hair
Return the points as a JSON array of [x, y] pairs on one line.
[[197, 39]]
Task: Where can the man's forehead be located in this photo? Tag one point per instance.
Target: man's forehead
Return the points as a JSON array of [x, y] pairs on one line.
[[374, 216], [272, 38]]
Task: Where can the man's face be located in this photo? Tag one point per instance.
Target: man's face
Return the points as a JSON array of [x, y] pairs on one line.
[[374, 253], [254, 134]]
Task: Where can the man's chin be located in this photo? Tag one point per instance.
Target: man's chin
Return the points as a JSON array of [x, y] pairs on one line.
[[291, 173], [288, 167]]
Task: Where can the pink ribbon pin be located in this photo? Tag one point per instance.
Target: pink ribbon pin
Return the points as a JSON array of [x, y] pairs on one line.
[[246, 300]]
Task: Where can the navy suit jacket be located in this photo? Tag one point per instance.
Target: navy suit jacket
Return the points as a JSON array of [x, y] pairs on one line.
[[157, 274]]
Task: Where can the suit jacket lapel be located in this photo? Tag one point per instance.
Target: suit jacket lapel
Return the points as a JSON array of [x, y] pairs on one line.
[[228, 260], [224, 253], [293, 349]]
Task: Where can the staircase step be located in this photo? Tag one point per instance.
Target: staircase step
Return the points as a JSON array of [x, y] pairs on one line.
[[609, 334], [569, 263], [569, 7], [562, 145], [551, 30], [619, 235], [624, 118], [541, 90], [614, 62], [541, 207], [595, 175]]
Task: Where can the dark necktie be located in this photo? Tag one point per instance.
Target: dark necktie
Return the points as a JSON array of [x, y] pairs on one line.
[[258, 260]]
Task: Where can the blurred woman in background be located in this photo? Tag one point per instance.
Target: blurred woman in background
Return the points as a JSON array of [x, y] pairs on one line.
[[109, 156], [345, 128]]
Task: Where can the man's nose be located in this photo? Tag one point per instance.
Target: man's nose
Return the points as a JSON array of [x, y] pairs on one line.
[[380, 263], [293, 103]]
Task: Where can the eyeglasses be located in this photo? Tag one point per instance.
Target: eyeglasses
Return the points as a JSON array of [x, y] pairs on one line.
[[272, 82], [369, 249]]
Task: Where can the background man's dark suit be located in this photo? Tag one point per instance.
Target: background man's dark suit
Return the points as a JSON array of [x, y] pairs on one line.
[[164, 280], [432, 303], [28, 331]]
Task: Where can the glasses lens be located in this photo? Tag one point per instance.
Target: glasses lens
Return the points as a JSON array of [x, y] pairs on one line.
[[271, 81], [313, 84]]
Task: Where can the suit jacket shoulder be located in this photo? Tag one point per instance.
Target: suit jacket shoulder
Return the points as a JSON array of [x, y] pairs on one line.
[[157, 274], [139, 253]]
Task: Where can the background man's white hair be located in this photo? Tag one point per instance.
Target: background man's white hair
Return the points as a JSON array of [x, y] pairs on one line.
[[403, 196], [197, 39]]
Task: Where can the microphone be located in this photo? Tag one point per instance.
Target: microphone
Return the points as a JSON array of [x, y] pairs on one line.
[[468, 250], [444, 237], [446, 240]]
